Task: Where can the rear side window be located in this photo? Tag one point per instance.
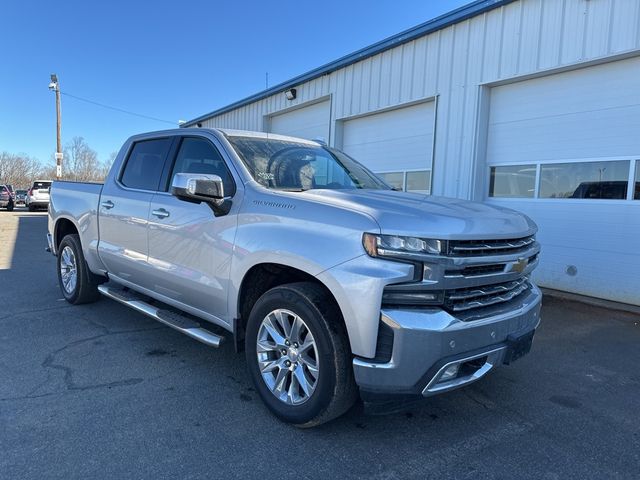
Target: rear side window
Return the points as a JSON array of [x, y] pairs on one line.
[[197, 155], [144, 165]]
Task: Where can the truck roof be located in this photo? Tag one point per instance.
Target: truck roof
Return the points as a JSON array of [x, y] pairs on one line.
[[228, 132]]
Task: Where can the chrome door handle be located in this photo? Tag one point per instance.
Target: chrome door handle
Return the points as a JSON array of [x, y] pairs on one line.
[[160, 213], [108, 205]]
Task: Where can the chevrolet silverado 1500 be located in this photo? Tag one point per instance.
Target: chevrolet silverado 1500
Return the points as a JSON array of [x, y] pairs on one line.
[[333, 284]]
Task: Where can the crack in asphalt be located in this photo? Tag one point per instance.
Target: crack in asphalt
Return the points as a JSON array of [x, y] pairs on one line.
[[70, 384], [14, 314], [471, 396]]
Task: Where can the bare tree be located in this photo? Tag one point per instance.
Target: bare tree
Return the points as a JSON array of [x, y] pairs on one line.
[[81, 161], [18, 170], [105, 166], [80, 164]]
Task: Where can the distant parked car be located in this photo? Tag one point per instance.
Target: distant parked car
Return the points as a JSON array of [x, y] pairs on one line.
[[21, 197], [38, 195], [6, 198]]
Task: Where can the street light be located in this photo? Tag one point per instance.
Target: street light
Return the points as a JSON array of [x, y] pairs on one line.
[[55, 86]]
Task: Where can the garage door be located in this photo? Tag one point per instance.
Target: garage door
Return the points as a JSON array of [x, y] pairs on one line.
[[565, 149], [397, 144], [310, 122]]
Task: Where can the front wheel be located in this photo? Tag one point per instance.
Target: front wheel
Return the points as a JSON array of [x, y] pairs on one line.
[[77, 283], [298, 355]]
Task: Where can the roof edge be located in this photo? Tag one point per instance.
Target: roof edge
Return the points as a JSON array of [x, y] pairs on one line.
[[443, 21]]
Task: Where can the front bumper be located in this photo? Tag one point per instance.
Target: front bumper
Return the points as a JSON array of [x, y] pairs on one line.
[[426, 342]]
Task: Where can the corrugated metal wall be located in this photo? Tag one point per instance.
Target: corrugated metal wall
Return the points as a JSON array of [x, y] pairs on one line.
[[522, 38]]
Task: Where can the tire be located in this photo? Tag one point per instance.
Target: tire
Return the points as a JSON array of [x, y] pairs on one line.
[[85, 287], [334, 390], [10, 206], [31, 209]]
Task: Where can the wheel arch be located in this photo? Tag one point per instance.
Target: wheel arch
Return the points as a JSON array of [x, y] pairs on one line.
[[64, 226], [259, 279]]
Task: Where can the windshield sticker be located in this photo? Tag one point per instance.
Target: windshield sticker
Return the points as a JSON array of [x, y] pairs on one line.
[[266, 176]]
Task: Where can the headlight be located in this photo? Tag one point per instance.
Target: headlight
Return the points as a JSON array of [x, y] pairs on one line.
[[399, 246]]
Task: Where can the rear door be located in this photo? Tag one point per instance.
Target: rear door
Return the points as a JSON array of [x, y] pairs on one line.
[[124, 210], [189, 247]]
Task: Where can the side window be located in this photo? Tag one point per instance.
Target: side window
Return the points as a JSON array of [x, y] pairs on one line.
[[197, 155], [144, 165]]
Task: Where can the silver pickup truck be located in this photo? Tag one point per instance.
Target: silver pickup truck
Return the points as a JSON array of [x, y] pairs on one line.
[[334, 285]]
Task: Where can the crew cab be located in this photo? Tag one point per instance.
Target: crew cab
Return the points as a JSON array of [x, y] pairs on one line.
[[333, 284]]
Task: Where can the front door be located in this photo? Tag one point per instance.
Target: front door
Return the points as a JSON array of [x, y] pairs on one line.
[[189, 247]]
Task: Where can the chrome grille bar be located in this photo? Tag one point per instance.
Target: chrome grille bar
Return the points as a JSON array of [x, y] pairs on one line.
[[491, 247], [466, 299]]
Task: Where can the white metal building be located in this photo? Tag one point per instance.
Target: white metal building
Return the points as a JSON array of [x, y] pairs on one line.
[[531, 104]]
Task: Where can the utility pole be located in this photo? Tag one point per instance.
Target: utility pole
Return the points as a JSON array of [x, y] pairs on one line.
[[55, 86]]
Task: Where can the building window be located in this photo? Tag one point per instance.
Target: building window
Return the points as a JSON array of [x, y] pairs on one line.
[[636, 194], [593, 180], [596, 180], [415, 181], [514, 181], [419, 181], [395, 179]]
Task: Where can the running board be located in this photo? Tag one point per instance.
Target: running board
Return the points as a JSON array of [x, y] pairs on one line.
[[174, 320]]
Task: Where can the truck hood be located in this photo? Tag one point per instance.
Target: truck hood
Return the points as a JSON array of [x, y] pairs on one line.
[[413, 214]]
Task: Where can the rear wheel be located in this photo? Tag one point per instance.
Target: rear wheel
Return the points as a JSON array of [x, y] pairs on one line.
[[298, 355], [77, 283], [10, 206], [31, 209]]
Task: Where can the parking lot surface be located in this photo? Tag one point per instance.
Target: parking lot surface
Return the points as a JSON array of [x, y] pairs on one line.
[[99, 391]]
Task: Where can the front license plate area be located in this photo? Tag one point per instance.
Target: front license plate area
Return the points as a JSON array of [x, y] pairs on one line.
[[518, 347]]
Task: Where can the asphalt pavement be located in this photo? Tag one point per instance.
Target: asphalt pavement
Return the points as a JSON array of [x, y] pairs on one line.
[[99, 391]]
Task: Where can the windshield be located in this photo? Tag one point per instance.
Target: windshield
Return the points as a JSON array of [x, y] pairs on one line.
[[288, 165]]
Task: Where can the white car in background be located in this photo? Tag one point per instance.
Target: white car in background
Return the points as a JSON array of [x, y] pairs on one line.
[[38, 195]]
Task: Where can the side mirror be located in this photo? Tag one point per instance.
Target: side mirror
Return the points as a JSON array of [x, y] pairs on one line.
[[200, 187]]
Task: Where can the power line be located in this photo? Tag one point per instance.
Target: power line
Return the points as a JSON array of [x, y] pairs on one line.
[[121, 110]]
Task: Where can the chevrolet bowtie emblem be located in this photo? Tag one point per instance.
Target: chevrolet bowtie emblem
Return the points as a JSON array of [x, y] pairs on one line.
[[520, 265]]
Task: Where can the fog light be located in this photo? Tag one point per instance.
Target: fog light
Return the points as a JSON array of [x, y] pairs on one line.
[[450, 372]]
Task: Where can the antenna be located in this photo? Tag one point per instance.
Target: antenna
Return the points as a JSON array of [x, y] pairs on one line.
[[266, 80]]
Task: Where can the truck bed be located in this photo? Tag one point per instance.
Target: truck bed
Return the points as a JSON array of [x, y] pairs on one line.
[[78, 202]]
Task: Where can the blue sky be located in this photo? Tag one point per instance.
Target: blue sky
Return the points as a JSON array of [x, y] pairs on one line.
[[170, 60]]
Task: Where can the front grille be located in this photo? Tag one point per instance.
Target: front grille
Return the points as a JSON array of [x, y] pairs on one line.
[[462, 299], [467, 248]]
